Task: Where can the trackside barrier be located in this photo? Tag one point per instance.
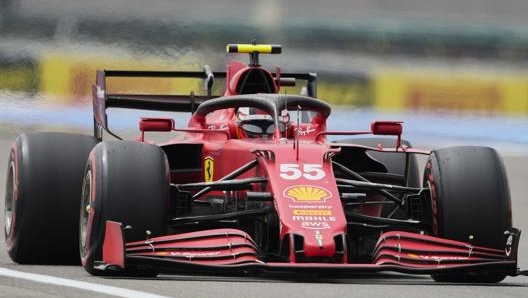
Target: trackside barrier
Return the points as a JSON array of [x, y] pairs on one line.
[[69, 78], [482, 92], [19, 73]]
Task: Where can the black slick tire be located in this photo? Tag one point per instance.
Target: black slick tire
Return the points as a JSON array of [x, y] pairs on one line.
[[470, 201], [43, 188], [127, 182]]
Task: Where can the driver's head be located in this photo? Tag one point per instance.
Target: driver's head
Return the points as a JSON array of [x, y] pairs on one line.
[[255, 123]]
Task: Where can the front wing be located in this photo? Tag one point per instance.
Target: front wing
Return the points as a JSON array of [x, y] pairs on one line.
[[231, 251]]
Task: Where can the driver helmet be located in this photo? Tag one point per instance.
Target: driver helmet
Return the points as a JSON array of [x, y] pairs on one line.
[[255, 123]]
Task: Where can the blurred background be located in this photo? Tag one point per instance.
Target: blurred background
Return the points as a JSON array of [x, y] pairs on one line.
[[453, 70]]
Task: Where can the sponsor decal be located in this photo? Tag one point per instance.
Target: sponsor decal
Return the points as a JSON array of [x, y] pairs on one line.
[[314, 222], [208, 169], [509, 243], [312, 212], [454, 95], [306, 131], [311, 206], [437, 258], [314, 218], [189, 254], [307, 193], [315, 225], [319, 238], [215, 127]]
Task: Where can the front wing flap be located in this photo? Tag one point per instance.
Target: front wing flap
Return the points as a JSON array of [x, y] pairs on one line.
[[231, 251]]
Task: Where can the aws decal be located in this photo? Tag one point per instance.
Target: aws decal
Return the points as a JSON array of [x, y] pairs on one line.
[[208, 169], [307, 193]]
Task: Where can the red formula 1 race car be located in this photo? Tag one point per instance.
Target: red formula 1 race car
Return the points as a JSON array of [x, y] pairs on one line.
[[253, 185]]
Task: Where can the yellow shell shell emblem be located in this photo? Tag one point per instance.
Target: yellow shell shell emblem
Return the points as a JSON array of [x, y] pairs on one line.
[[307, 193]]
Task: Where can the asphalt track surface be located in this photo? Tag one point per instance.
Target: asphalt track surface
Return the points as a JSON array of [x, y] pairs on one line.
[[72, 281]]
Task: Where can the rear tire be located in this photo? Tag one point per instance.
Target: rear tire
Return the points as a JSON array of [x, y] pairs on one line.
[[469, 183], [43, 188], [127, 182]]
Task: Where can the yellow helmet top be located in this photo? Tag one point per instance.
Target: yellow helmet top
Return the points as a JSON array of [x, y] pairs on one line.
[[254, 48]]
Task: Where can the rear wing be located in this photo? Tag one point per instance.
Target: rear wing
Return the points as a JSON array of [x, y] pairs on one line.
[[103, 100]]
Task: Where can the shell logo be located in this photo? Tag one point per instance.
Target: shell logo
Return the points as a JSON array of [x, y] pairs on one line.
[[307, 193]]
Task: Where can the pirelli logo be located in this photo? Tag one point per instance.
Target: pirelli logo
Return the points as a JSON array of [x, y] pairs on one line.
[[307, 193], [303, 212]]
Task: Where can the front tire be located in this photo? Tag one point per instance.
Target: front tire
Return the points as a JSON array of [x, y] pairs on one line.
[[127, 182], [470, 201], [43, 187]]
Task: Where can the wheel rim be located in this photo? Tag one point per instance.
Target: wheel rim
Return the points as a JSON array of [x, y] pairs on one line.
[[86, 211], [9, 209]]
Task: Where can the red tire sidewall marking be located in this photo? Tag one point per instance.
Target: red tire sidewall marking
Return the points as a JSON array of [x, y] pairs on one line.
[[89, 251], [15, 182], [434, 197]]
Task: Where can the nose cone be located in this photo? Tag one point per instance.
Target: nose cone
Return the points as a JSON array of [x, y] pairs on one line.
[[314, 213]]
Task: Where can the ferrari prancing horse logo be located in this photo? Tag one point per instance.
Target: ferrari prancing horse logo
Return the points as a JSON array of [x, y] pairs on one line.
[[208, 169]]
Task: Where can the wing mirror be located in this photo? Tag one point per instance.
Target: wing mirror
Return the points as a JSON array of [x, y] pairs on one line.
[[155, 124], [391, 128]]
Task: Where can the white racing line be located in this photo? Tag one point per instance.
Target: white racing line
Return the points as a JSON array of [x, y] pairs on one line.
[[58, 281]]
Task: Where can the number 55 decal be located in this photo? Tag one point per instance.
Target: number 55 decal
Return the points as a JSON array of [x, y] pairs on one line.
[[292, 171]]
